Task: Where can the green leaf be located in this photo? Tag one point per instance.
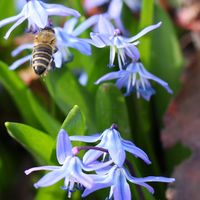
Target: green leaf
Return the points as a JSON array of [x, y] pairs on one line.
[[29, 107], [66, 91], [111, 108], [74, 123], [50, 193], [146, 19], [167, 60], [39, 144]]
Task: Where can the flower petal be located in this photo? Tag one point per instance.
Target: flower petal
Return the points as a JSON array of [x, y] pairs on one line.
[[63, 146], [77, 173], [91, 21], [33, 169], [19, 62], [115, 9], [70, 25], [13, 27], [50, 178], [143, 72], [21, 48], [100, 40], [115, 147], [111, 76], [121, 189], [143, 32], [56, 9], [11, 19], [105, 26], [91, 138], [137, 152]]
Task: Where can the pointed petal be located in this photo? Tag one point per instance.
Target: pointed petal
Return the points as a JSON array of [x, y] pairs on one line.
[[143, 72], [100, 40], [80, 45], [19, 62], [97, 166], [91, 138], [137, 152], [91, 21], [115, 147], [21, 48], [13, 27], [56, 9], [157, 179], [11, 19], [122, 82], [143, 32], [77, 173], [50, 178], [95, 187], [91, 156], [121, 188], [36, 13], [58, 59], [138, 181], [115, 9], [63, 146], [33, 169], [111, 76], [70, 25], [105, 26], [132, 52]]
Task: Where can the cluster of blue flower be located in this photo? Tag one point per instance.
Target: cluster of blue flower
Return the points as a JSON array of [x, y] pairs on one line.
[[108, 159]]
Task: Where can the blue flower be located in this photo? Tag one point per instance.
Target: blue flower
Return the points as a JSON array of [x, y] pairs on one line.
[[70, 169], [124, 47], [135, 78], [114, 10], [37, 12], [116, 178], [111, 140]]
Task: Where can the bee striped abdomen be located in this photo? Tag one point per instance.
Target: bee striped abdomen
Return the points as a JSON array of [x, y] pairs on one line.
[[41, 58]]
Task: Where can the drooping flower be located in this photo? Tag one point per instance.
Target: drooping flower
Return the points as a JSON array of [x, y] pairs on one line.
[[111, 140], [116, 178], [136, 79], [70, 169], [37, 12], [125, 48]]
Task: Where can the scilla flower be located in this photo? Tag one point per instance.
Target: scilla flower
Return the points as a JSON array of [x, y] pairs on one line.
[[111, 140], [37, 12], [135, 78], [125, 48], [116, 178], [70, 169], [114, 9]]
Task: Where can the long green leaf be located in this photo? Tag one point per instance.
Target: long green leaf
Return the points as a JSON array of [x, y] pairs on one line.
[[39, 144], [111, 108], [66, 92], [28, 106], [167, 60], [74, 123]]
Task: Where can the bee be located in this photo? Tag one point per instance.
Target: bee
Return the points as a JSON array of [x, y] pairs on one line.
[[43, 50]]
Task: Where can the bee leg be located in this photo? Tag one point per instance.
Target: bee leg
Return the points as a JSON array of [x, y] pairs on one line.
[[55, 50], [52, 64]]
